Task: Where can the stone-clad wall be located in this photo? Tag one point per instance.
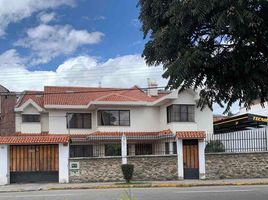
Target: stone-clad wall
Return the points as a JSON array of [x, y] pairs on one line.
[[236, 165], [109, 169], [154, 168]]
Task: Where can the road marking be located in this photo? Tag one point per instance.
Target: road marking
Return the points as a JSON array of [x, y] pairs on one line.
[[212, 191], [36, 195]]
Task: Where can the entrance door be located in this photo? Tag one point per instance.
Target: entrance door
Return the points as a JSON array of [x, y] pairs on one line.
[[190, 159], [34, 163]]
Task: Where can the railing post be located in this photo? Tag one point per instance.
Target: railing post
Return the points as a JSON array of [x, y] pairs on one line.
[[124, 149], [266, 133]]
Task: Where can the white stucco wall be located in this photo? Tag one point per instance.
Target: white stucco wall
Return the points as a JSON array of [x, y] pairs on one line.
[[4, 165], [142, 118], [31, 127], [203, 119], [63, 163]]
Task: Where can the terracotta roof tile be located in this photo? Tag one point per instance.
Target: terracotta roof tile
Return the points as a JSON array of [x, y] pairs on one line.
[[36, 96], [99, 135], [190, 134], [34, 139]]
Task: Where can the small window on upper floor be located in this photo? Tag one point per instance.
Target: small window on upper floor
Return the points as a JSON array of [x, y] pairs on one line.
[[79, 120], [114, 117], [30, 118], [180, 113]]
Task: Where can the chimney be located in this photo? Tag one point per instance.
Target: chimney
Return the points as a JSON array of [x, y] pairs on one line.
[[152, 88]]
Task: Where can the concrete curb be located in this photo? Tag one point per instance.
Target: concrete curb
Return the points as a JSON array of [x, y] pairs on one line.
[[146, 185]]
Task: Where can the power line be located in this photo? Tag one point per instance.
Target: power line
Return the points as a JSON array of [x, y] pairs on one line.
[[31, 93]]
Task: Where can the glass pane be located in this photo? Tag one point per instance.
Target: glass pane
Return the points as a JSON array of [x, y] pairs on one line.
[[79, 120], [114, 117], [104, 117], [124, 118], [87, 121]]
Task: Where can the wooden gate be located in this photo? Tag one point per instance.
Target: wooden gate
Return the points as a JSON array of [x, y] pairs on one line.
[[34, 163], [190, 159]]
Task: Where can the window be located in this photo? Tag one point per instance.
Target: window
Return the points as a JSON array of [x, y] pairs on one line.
[[180, 113], [79, 120], [167, 150], [143, 149], [81, 151], [30, 118], [112, 150], [114, 117]]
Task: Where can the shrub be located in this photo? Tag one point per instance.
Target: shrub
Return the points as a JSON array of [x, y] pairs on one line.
[[214, 146], [127, 170]]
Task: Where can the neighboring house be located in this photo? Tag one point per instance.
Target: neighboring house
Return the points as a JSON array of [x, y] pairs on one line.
[[256, 108], [95, 120], [7, 114]]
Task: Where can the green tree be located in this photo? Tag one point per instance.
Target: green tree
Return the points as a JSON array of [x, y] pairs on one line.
[[220, 46]]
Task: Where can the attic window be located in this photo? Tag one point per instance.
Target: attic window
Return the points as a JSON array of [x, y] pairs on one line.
[[30, 118]]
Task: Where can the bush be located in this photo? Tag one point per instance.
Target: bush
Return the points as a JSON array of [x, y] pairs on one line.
[[127, 170], [214, 146]]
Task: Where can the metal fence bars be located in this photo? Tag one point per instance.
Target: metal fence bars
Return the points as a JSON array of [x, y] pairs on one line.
[[111, 146], [240, 141]]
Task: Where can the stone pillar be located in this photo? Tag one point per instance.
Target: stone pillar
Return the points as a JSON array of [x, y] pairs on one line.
[[63, 163], [202, 165], [4, 165], [124, 149], [171, 148], [180, 159]]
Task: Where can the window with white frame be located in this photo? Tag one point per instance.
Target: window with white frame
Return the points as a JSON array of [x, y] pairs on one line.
[[180, 113], [30, 118], [114, 117], [79, 120]]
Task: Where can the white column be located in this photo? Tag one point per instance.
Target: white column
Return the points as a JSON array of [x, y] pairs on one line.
[[180, 159], [202, 164], [124, 149], [4, 165], [63, 163]]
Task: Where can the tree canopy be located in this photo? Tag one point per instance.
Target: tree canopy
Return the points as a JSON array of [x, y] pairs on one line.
[[220, 46]]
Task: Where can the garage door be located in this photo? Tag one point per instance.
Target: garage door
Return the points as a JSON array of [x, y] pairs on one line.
[[34, 163]]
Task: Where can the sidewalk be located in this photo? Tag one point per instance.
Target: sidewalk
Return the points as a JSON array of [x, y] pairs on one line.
[[145, 184]]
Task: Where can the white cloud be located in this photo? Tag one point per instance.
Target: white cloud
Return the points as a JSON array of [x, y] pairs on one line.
[[123, 71], [12, 11], [99, 18], [47, 42], [46, 17]]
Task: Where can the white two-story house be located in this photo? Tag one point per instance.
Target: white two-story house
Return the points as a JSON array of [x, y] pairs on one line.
[[63, 122]]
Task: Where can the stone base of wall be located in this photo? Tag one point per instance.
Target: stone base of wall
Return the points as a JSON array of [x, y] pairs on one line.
[[109, 169], [236, 165]]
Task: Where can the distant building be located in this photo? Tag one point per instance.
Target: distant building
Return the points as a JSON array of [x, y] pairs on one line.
[[7, 114]]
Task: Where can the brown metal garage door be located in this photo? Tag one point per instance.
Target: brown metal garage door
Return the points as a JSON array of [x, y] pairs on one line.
[[34, 163]]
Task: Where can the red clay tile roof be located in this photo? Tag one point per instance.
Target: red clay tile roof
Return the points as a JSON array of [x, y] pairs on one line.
[[36, 96], [190, 134], [84, 95], [34, 139], [142, 135]]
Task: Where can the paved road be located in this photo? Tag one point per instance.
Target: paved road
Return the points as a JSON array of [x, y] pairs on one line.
[[195, 193]]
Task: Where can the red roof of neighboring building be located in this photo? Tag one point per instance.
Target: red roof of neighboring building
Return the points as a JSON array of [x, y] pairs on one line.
[[190, 134], [56, 95], [36, 96], [34, 139]]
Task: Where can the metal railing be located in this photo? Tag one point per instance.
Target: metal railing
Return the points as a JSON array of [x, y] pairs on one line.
[[113, 148], [240, 141]]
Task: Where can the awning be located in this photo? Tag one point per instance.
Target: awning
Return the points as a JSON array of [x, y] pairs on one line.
[[28, 139], [97, 136], [190, 134]]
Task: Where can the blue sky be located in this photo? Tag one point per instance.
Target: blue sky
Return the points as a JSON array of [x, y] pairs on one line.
[[73, 42]]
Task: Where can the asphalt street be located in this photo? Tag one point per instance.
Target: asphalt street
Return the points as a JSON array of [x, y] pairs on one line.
[[190, 193]]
